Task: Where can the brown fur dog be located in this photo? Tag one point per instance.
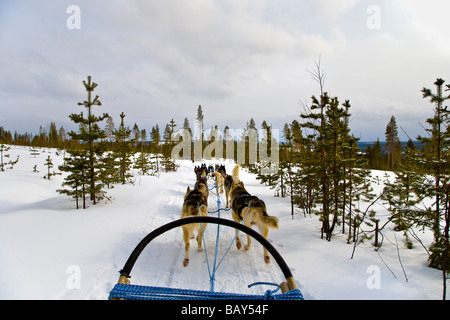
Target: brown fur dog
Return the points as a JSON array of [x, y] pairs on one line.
[[219, 181], [228, 180], [251, 210], [195, 203]]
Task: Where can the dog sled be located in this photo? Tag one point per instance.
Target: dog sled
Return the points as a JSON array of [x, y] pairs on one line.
[[124, 290]]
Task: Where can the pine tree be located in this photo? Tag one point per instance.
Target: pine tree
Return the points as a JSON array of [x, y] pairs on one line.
[[53, 136], [376, 156], [401, 194], [357, 188], [143, 163], [77, 165], [109, 173], [89, 132], [393, 146], [156, 138], [328, 163], [200, 118], [49, 164], [136, 135], [144, 139], [122, 150], [109, 129], [435, 169], [187, 126], [3, 154]]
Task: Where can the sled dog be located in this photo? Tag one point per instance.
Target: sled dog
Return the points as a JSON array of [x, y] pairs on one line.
[[195, 203], [251, 210], [219, 181], [228, 180]]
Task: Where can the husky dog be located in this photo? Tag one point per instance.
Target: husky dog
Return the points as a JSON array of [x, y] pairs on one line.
[[219, 181], [195, 203], [200, 171], [251, 210], [228, 180]]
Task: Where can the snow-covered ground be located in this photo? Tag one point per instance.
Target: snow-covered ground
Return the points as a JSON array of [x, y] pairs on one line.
[[50, 250]]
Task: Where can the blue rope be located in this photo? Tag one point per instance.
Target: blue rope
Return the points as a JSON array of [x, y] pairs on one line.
[[234, 239], [216, 266]]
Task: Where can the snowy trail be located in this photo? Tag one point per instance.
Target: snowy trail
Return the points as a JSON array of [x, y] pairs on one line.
[[237, 269]]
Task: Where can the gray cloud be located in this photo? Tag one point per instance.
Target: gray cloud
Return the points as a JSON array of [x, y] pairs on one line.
[[157, 60]]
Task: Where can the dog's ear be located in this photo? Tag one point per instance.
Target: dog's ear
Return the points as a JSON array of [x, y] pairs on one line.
[[187, 191]]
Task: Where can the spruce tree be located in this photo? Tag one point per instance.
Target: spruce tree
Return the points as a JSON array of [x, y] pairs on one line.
[[89, 133], [4, 155], [156, 139], [109, 173], [49, 164], [109, 129], [143, 164], [136, 135], [330, 163], [435, 169], [200, 119], [187, 126], [122, 150], [401, 194], [77, 165], [393, 146]]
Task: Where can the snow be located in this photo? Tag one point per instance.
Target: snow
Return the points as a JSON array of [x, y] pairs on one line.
[[50, 250]]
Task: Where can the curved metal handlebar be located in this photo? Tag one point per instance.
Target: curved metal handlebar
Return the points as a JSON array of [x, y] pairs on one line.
[[125, 272]]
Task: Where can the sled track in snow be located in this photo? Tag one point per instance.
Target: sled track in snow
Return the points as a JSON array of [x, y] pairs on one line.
[[236, 269]]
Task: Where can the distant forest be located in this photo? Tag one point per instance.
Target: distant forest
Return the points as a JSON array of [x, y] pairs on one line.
[[50, 136]]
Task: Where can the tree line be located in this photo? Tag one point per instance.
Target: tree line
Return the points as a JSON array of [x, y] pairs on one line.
[[323, 171]]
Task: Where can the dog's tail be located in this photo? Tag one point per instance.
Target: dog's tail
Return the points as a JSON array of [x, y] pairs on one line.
[[235, 174], [272, 222]]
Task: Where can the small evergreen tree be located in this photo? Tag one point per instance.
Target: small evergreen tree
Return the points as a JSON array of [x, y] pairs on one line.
[[49, 164], [393, 146], [401, 194], [143, 164], [109, 173], [156, 139], [77, 165], [435, 169], [3, 154], [122, 150], [89, 132]]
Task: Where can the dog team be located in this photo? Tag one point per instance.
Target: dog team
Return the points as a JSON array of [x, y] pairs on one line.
[[244, 207]]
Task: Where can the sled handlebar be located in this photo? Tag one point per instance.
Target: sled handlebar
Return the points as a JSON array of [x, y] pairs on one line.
[[126, 270]]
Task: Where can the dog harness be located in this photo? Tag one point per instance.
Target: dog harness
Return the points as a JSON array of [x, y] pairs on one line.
[[243, 201], [196, 198]]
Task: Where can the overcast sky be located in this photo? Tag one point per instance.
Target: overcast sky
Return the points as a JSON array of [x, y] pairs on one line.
[[159, 59]]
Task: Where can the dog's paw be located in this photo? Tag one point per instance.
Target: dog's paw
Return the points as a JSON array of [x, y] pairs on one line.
[[200, 249], [247, 247], [267, 259], [185, 262], [238, 245]]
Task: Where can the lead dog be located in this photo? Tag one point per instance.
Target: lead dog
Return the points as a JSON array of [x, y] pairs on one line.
[[195, 204], [251, 210]]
